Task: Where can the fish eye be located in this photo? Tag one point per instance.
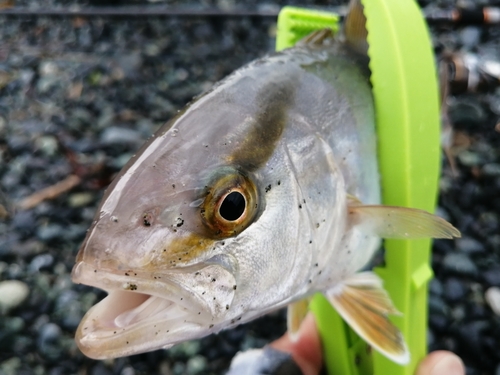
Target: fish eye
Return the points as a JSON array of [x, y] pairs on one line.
[[233, 206], [230, 204]]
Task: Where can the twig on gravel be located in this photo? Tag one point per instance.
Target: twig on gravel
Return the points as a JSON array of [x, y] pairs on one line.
[[49, 192]]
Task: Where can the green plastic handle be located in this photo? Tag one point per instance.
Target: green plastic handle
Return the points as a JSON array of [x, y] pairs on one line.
[[408, 127]]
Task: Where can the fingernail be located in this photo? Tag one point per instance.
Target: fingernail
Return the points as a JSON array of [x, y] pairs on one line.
[[449, 365]]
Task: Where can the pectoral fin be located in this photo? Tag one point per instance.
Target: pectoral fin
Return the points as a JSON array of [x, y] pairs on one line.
[[400, 222], [296, 313], [364, 305]]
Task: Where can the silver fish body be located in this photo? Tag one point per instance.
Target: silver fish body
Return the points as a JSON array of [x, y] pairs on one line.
[[238, 206]]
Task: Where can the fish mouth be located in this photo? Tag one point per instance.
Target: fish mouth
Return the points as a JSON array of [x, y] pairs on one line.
[[139, 314]]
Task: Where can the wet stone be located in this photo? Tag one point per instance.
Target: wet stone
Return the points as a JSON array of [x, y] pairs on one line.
[[454, 290], [41, 261], [49, 340], [492, 276], [117, 136], [469, 245], [459, 264], [436, 287], [49, 232]]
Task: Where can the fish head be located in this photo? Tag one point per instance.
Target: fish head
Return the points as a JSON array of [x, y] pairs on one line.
[[183, 240]]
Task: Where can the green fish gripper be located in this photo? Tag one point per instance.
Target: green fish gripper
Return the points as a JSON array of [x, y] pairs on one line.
[[408, 128]]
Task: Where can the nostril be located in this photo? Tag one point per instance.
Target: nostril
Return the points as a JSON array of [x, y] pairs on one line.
[[147, 219]]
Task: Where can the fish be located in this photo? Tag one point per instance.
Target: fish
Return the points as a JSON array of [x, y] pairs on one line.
[[258, 194]]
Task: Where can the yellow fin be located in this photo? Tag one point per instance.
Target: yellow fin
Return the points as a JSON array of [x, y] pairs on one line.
[[364, 305], [316, 38], [355, 28], [400, 222], [295, 314]]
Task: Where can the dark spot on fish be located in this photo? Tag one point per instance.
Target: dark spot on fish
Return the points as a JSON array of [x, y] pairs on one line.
[[214, 280], [147, 218], [279, 182], [234, 287], [214, 298], [180, 222], [239, 318], [210, 326], [182, 298], [319, 272], [95, 271], [168, 330], [357, 360], [268, 188], [126, 274], [273, 101], [196, 273], [227, 307], [368, 349], [316, 265], [127, 342], [300, 206], [173, 186], [317, 225], [203, 293], [232, 321], [310, 241], [222, 243], [310, 281], [199, 312], [114, 332], [180, 258]]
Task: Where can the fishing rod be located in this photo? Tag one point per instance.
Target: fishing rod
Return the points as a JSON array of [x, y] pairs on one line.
[[486, 15]]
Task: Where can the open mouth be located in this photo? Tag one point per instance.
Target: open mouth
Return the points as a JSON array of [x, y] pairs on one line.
[[142, 314]]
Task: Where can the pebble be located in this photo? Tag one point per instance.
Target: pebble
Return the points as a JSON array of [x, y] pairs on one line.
[[41, 261], [48, 340], [460, 264], [80, 199], [454, 290], [492, 296], [47, 145], [196, 365], [492, 276], [117, 136], [49, 232], [12, 294], [470, 36], [469, 245]]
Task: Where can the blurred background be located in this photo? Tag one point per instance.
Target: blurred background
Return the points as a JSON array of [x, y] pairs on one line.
[[80, 93]]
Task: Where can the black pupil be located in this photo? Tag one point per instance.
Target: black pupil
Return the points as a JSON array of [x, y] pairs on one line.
[[233, 206]]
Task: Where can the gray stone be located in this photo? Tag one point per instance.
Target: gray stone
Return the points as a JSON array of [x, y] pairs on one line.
[[469, 245], [459, 264]]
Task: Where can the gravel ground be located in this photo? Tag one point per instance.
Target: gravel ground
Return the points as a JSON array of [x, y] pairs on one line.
[[79, 96]]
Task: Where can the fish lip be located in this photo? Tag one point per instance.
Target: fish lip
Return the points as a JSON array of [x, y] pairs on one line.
[[99, 336]]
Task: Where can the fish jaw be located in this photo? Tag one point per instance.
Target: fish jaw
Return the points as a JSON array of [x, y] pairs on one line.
[[140, 314]]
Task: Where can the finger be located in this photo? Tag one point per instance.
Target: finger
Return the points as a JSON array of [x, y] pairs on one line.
[[441, 363], [306, 349]]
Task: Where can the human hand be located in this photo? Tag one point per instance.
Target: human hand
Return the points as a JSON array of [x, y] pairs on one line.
[[306, 352]]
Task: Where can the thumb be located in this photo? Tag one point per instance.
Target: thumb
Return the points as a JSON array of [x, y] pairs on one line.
[[306, 349], [441, 363]]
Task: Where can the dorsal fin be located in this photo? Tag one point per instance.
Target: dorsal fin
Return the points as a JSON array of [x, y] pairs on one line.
[[355, 32]]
